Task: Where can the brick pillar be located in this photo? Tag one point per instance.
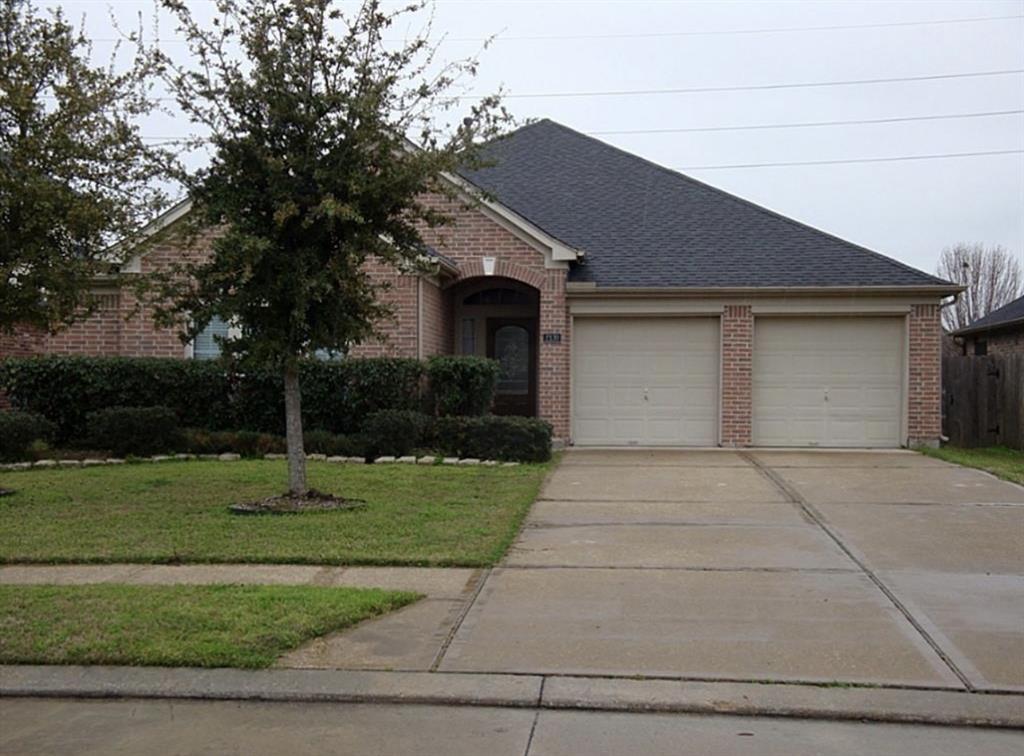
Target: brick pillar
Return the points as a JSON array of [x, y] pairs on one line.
[[924, 389], [553, 362], [737, 356]]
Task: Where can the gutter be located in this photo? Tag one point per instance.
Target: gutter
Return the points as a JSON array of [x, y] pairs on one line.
[[586, 290], [972, 330]]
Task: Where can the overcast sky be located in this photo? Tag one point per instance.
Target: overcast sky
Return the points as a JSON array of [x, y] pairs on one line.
[[909, 210]]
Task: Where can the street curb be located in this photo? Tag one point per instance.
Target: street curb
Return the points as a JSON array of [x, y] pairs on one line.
[[552, 692], [791, 700], [291, 685]]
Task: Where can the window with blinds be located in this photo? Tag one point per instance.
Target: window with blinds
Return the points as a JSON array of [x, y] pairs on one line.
[[206, 345]]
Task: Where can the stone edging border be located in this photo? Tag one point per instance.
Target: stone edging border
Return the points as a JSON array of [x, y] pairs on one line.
[[49, 464]]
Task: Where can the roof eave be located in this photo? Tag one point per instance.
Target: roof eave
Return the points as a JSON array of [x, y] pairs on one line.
[[974, 330], [588, 290], [560, 251]]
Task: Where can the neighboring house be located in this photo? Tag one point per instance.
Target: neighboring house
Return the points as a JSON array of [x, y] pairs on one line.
[[999, 332], [631, 305]]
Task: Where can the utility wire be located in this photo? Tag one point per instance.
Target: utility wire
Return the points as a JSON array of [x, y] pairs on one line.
[[852, 160], [727, 32], [755, 127], [731, 88], [808, 124], [756, 87], [694, 33]]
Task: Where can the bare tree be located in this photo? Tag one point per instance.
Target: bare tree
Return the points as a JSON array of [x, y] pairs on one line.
[[992, 275]]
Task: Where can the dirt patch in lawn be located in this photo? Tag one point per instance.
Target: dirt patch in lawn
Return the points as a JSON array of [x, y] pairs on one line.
[[311, 501]]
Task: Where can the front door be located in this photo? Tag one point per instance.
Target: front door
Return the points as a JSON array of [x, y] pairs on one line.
[[513, 343]]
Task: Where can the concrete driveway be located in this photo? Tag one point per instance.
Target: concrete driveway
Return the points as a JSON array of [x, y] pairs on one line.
[[884, 568]]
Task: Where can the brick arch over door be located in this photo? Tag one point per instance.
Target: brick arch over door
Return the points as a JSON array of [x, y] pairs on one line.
[[554, 326], [502, 269]]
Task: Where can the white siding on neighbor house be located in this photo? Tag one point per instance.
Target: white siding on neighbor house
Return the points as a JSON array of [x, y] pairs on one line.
[[828, 381], [645, 381]]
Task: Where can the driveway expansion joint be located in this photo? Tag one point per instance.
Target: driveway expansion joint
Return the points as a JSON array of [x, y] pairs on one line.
[[811, 512], [480, 578]]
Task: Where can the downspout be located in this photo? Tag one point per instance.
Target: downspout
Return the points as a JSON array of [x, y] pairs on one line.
[[419, 317], [943, 305]]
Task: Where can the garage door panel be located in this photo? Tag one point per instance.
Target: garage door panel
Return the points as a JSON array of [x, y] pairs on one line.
[[658, 378], [828, 381]]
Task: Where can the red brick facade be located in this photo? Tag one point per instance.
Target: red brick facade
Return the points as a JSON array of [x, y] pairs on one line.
[[737, 375], [1008, 341], [423, 325]]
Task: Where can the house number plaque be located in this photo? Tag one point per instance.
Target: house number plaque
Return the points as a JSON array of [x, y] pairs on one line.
[[552, 338]]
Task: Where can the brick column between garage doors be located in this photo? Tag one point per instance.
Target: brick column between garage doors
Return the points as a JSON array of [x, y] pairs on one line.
[[737, 364]]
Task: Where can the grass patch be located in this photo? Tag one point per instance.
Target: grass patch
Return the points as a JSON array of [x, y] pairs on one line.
[[183, 626], [1008, 464], [177, 512]]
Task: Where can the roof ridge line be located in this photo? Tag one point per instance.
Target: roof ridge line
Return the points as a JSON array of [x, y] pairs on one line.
[[737, 198]]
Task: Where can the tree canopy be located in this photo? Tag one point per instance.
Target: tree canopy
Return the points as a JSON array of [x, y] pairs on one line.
[[324, 140], [992, 276], [75, 175]]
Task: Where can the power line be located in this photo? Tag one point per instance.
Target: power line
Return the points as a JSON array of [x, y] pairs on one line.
[[756, 87], [730, 88], [809, 124], [852, 160], [727, 32], [694, 33], [755, 127]]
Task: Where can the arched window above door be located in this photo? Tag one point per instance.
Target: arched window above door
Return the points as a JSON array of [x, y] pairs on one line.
[[499, 296]]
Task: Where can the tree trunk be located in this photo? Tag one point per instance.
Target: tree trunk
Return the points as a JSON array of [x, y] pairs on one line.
[[293, 431]]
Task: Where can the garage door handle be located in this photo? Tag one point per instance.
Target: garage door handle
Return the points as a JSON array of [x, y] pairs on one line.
[[826, 395], [645, 394]]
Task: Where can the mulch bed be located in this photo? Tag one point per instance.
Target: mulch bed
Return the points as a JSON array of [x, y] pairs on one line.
[[312, 501]]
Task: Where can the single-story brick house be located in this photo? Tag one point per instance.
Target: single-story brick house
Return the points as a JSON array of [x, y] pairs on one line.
[[999, 332], [632, 305]]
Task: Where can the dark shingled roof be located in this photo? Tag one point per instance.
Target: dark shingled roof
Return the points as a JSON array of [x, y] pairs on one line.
[[642, 225], [1006, 315]]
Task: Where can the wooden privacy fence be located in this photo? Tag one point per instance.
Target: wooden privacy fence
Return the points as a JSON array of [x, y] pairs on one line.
[[983, 400]]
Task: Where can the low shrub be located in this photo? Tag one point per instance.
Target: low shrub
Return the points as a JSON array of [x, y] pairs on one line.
[[462, 385], [513, 439], [23, 432], [396, 432], [134, 431], [334, 444], [246, 443]]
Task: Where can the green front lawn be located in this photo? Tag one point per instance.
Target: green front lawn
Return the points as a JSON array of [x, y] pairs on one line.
[[177, 512], [182, 626], [998, 460]]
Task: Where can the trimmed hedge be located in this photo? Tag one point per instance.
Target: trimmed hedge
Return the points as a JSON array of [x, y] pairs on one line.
[[462, 385], [66, 389], [19, 431], [213, 395], [136, 431], [396, 432], [350, 408], [513, 439]]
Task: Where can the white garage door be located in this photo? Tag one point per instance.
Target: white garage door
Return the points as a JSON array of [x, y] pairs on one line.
[[828, 381], [645, 381]]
